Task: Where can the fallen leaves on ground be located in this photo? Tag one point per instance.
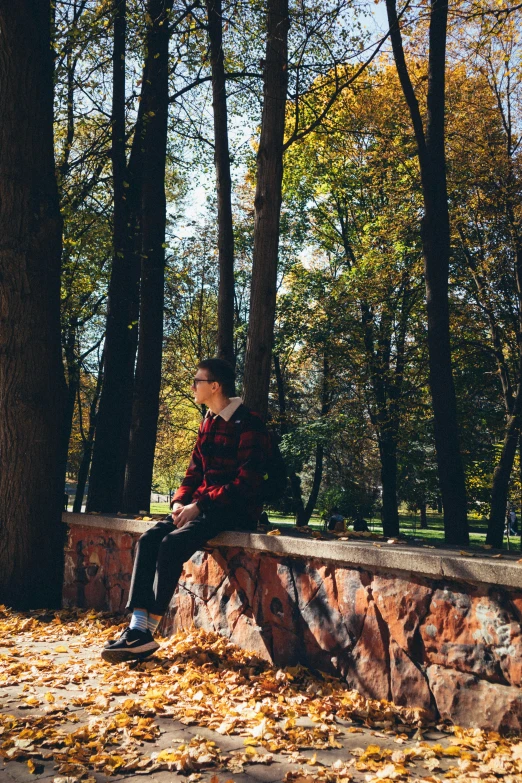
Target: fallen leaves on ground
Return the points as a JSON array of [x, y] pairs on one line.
[[87, 717]]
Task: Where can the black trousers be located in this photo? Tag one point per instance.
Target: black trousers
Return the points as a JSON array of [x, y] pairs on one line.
[[163, 549]]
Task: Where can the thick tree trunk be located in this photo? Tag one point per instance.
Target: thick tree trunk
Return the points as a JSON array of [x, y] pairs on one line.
[[390, 510], [155, 100], [436, 251], [423, 517], [267, 211], [114, 415], [224, 184], [32, 385]]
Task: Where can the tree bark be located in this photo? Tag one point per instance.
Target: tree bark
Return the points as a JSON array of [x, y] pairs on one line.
[[32, 384], [114, 415], [295, 481], [501, 477], [319, 450], [423, 517], [73, 380], [520, 480], [225, 336], [267, 207], [512, 401], [85, 463], [436, 251], [155, 100], [390, 509], [502, 472], [387, 389], [386, 385]]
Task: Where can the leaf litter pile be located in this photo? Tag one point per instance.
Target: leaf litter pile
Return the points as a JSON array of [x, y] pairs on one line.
[[84, 716]]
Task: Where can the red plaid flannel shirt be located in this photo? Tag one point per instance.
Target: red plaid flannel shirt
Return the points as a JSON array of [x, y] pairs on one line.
[[228, 465]]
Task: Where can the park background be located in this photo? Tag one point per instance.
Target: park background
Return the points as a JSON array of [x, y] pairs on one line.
[[328, 194]]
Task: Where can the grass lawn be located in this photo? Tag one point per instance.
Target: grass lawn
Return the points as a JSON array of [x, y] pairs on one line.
[[159, 508], [409, 525]]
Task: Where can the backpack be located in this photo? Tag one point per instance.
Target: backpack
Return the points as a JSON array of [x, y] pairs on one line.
[[276, 476]]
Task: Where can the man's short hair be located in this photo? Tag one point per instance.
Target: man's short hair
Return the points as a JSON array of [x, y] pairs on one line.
[[222, 372]]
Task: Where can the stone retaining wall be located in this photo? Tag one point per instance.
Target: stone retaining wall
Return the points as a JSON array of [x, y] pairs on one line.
[[424, 628]]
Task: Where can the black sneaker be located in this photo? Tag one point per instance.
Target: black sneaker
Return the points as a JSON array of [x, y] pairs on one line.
[[132, 645]]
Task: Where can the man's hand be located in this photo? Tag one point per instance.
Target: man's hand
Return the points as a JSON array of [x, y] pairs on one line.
[[177, 506], [184, 514]]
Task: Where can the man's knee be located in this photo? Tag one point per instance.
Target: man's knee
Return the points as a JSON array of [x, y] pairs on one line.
[[179, 544], [153, 536]]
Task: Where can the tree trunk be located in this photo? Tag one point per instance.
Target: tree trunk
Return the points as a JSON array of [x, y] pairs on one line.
[[267, 210], [423, 517], [32, 385], [502, 472], [225, 336], [83, 472], [73, 380], [114, 415], [155, 100], [319, 451], [85, 463], [295, 481], [316, 486], [386, 418], [436, 251], [520, 480], [502, 475], [390, 510]]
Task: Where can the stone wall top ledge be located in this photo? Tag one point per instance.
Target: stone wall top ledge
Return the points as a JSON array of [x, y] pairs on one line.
[[438, 564]]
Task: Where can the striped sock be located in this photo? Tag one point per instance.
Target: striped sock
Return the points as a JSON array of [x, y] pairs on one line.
[[138, 621], [154, 621]]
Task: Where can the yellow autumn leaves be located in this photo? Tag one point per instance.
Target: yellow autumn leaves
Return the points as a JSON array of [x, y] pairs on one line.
[[71, 710]]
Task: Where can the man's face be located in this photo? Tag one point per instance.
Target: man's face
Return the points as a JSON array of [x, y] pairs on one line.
[[203, 387]]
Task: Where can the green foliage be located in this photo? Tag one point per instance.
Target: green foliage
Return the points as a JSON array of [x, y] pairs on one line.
[[351, 325]]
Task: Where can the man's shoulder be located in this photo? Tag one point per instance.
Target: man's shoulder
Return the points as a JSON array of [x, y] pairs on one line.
[[249, 418]]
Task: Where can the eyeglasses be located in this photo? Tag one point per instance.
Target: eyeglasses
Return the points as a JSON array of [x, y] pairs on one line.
[[201, 380]]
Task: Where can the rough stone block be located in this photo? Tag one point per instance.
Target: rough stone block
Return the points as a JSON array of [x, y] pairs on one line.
[[319, 607], [368, 670], [467, 700], [403, 605], [409, 686], [205, 572], [275, 608], [98, 567], [352, 590], [476, 632]]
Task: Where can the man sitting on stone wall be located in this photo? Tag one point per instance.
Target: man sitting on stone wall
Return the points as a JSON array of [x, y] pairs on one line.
[[221, 491]]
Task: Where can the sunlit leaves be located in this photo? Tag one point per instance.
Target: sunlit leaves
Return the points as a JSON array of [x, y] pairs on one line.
[[202, 680]]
